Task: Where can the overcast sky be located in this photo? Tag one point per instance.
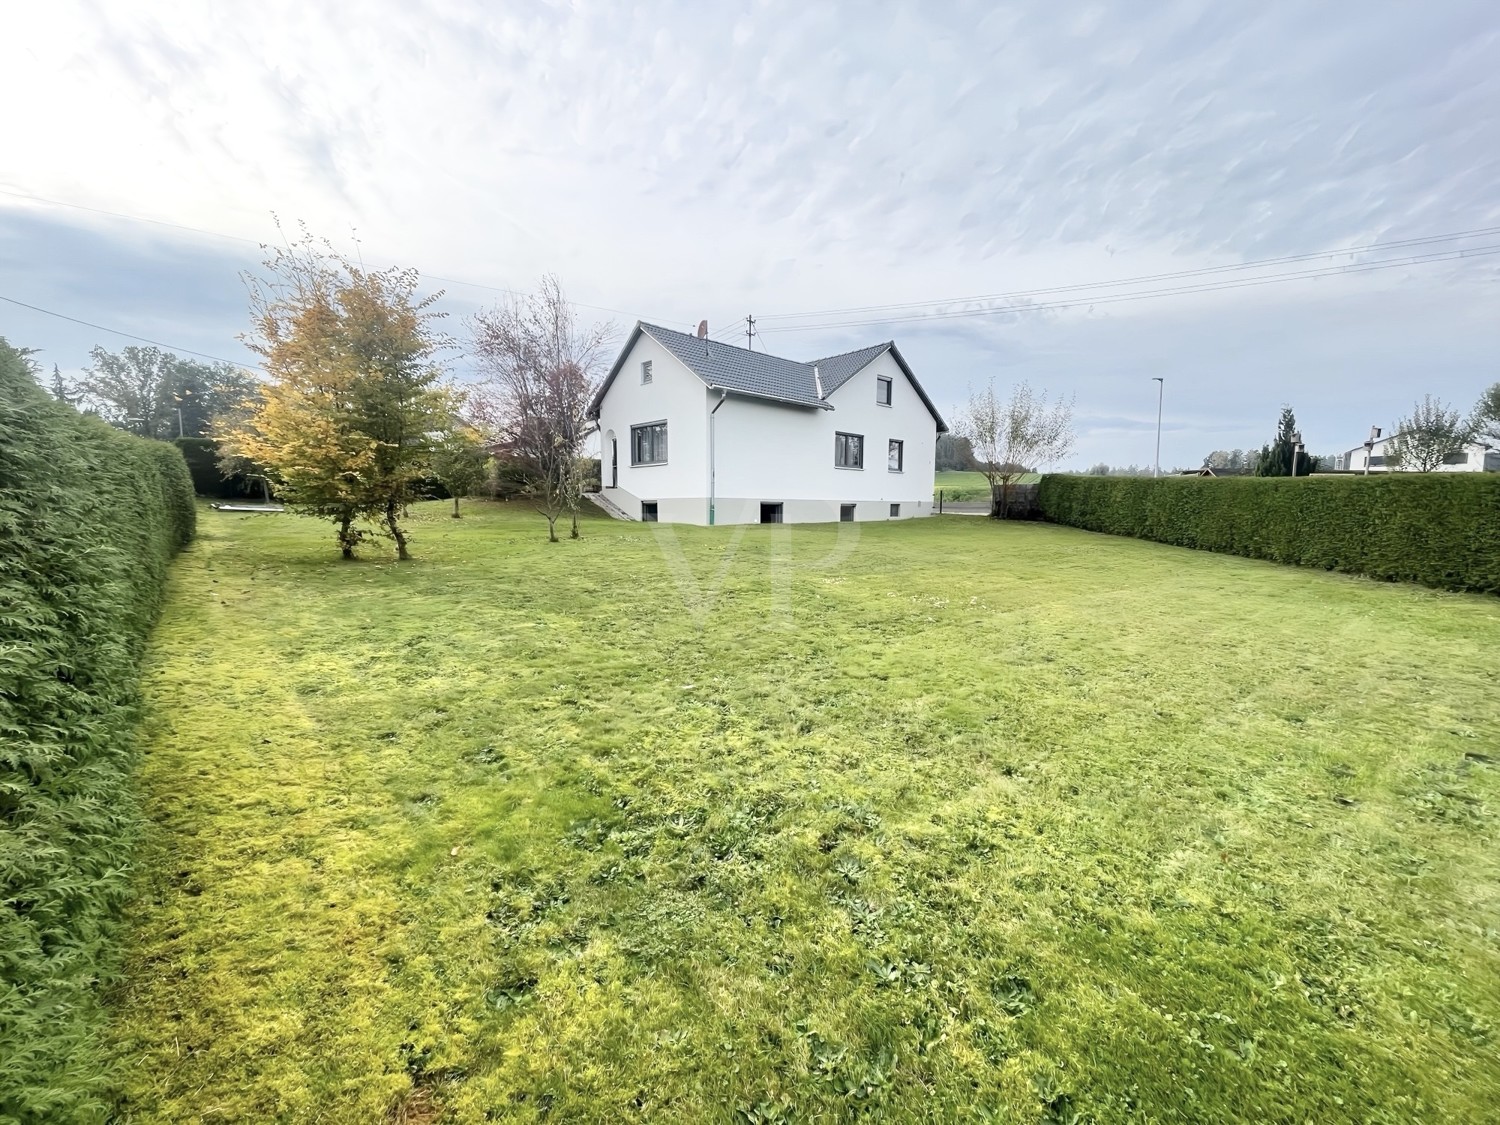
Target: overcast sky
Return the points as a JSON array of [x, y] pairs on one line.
[[675, 162]]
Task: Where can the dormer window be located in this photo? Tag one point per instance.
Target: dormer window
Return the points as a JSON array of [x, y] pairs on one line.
[[645, 371], [882, 391]]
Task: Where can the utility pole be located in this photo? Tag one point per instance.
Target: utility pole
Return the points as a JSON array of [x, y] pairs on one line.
[[1161, 390], [750, 332]]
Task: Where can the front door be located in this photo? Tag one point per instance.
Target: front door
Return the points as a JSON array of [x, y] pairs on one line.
[[614, 462]]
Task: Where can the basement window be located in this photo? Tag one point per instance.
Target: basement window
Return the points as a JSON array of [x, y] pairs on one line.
[[846, 513], [648, 511], [770, 513], [895, 510]]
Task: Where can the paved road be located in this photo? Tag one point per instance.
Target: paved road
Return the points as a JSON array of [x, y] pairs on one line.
[[965, 508]]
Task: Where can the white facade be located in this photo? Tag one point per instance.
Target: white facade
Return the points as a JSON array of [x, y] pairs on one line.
[[1475, 458], [737, 451]]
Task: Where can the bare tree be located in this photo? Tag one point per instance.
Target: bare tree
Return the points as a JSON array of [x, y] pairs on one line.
[[538, 370], [1017, 436], [1427, 438]]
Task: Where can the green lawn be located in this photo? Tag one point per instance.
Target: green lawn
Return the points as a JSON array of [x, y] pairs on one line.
[[949, 821], [972, 486]]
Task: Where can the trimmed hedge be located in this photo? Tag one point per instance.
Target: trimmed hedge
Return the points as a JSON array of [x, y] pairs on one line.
[[1439, 529], [89, 519]]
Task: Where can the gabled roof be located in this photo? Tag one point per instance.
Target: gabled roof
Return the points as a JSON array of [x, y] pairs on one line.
[[760, 375], [851, 364], [740, 370], [836, 370]]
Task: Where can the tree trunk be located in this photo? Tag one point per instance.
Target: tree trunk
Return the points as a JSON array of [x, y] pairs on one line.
[[391, 509], [456, 514], [551, 528], [574, 533], [346, 541]]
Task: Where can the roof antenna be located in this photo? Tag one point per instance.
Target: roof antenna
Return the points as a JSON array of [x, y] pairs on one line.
[[750, 332], [703, 330]]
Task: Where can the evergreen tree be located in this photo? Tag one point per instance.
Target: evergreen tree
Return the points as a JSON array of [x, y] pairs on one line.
[[59, 388], [1276, 459]]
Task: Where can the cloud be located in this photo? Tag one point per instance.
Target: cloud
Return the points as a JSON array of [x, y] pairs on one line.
[[680, 161]]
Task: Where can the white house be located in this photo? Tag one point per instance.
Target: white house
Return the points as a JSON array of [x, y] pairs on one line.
[[1473, 458], [695, 431]]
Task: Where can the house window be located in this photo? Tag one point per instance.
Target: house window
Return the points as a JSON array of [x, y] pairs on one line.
[[648, 511], [895, 454], [1376, 460], [883, 390], [849, 451], [1457, 457], [770, 513], [895, 510], [846, 513], [645, 371], [648, 444]]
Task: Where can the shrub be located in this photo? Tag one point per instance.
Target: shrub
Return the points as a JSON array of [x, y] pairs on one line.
[[89, 519], [1440, 529], [202, 457]]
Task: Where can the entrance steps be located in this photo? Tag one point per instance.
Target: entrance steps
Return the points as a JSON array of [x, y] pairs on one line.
[[607, 506]]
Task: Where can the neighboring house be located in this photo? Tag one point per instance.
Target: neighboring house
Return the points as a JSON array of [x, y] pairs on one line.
[[1475, 457], [695, 431]]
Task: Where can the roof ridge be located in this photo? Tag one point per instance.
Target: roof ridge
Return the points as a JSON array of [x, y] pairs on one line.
[[868, 347], [706, 340]]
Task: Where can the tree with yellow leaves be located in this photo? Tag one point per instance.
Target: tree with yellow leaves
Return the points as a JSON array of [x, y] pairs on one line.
[[353, 407]]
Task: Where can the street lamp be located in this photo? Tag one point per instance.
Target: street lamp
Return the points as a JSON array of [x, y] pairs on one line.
[[1161, 389]]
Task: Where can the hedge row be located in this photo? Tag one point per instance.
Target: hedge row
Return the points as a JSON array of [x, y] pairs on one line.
[[89, 519], [1440, 529]]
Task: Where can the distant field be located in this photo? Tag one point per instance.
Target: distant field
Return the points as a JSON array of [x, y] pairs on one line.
[[972, 486], [928, 821]]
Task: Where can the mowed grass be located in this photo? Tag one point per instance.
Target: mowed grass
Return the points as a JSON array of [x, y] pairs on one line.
[[958, 485], [925, 821]]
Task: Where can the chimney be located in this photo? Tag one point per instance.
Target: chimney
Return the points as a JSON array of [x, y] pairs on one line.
[[817, 381], [703, 330]]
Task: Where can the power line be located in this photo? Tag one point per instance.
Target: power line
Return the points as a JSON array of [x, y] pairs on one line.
[[1144, 278], [128, 335], [1109, 299]]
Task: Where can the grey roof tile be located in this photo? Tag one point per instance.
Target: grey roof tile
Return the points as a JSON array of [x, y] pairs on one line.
[[836, 370], [740, 369]]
